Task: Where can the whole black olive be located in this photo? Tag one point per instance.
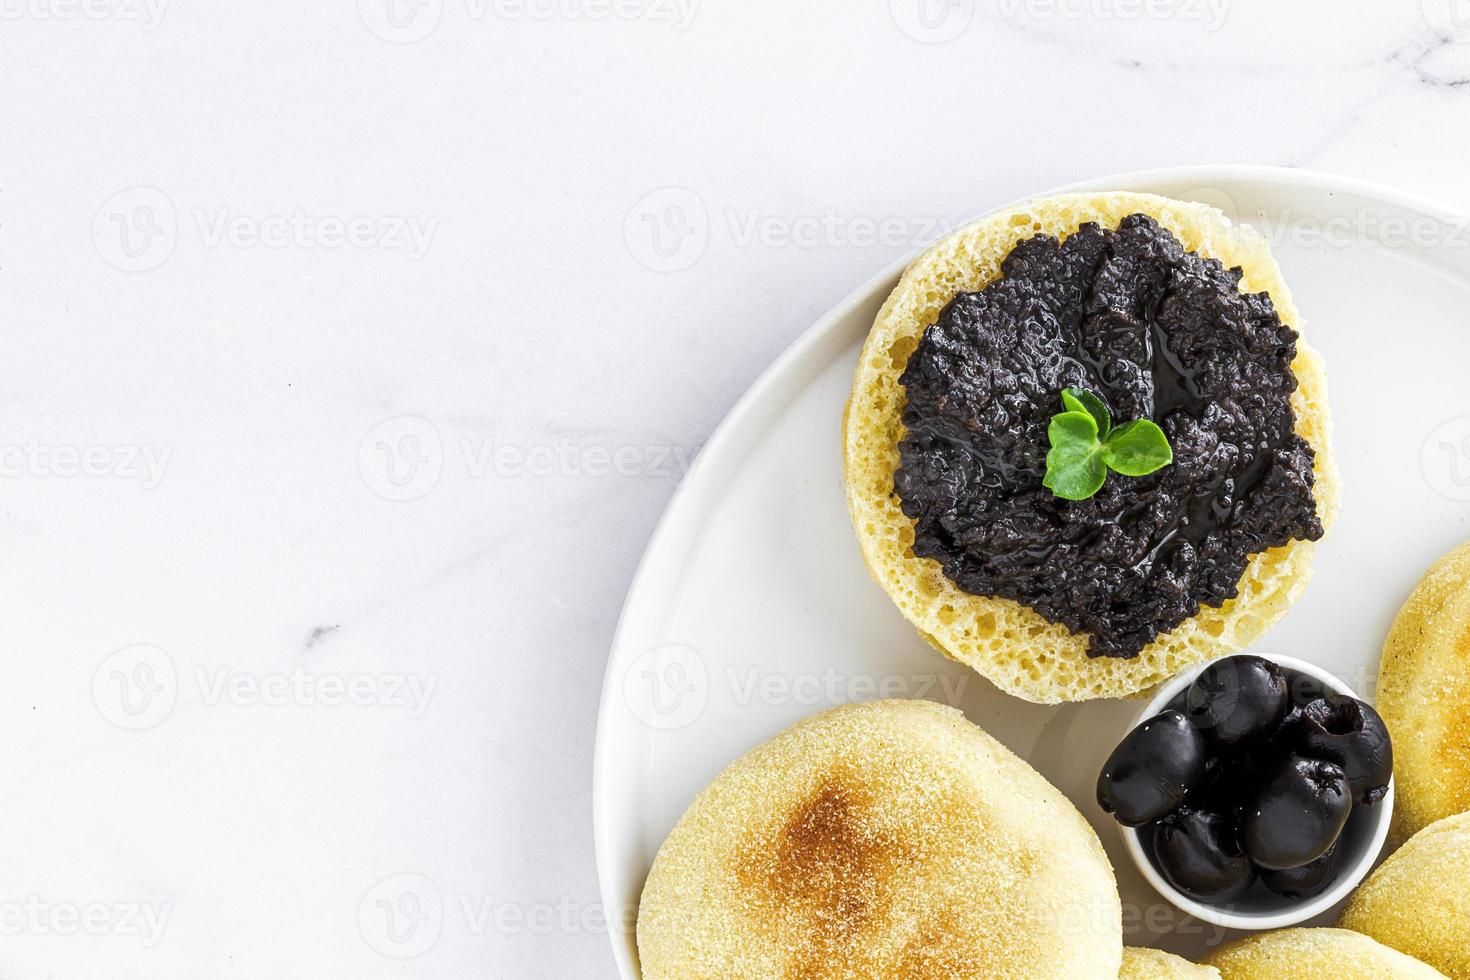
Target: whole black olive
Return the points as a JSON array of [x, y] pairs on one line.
[[1151, 769], [1350, 733], [1199, 853], [1310, 879], [1297, 813], [1238, 700]]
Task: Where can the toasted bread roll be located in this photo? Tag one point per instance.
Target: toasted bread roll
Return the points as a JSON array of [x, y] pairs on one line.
[[889, 839], [1316, 954], [1155, 964], [1424, 697], [1418, 901]]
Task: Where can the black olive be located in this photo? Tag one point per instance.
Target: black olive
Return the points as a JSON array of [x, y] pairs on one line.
[[1151, 769], [1348, 732], [1297, 813], [1199, 853], [1310, 879], [1238, 700]]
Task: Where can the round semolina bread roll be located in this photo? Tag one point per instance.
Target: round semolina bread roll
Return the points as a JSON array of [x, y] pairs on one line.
[[1155, 964], [1011, 644], [1424, 697], [1418, 901], [888, 839], [1316, 954]]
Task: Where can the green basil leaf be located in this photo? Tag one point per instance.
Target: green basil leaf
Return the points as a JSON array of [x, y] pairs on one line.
[[1082, 400], [1137, 448], [1074, 464]]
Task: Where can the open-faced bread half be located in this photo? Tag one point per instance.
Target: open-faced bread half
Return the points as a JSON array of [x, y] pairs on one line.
[[889, 839], [1014, 646]]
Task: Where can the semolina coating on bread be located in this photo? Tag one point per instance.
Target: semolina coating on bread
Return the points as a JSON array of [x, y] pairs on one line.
[[1418, 901], [1424, 697], [1316, 954], [889, 839], [1155, 964], [1009, 643]]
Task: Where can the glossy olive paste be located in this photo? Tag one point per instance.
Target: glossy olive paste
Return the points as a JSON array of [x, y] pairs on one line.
[[1159, 333]]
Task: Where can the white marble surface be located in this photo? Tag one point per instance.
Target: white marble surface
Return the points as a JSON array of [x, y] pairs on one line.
[[253, 254]]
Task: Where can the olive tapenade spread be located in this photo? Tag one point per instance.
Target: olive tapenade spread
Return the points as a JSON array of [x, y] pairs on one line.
[[1159, 333]]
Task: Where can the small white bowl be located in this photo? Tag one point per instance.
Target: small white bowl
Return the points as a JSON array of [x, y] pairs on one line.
[[1259, 908]]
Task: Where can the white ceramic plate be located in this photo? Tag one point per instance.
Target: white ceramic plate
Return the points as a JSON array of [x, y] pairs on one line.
[[752, 608]]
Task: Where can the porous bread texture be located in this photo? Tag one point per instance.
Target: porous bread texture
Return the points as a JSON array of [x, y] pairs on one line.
[[1316, 954], [1424, 697], [1011, 644], [1155, 964], [1418, 901], [889, 839]]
